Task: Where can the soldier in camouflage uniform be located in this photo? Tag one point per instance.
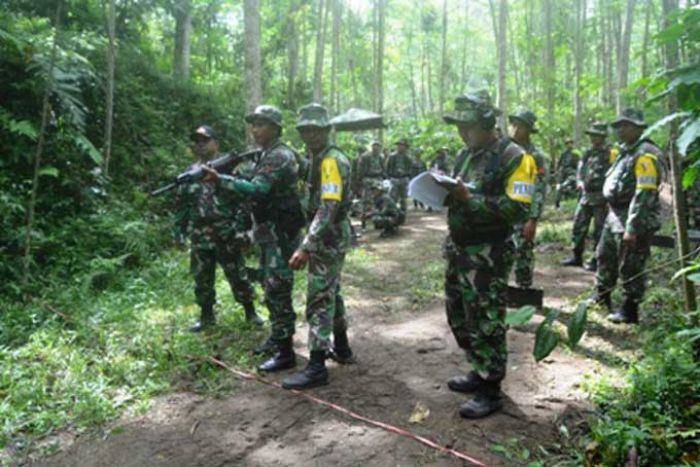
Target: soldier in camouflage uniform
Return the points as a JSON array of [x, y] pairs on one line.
[[631, 190], [216, 224], [323, 249], [522, 124], [439, 163], [591, 204], [566, 172], [479, 249], [370, 170], [385, 213], [278, 219], [399, 167]]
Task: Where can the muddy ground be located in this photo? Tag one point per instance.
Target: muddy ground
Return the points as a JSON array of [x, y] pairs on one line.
[[405, 354]]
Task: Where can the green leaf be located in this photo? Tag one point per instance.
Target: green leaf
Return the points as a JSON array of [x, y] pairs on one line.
[[521, 316], [83, 143], [671, 34], [695, 277], [686, 270], [663, 122], [577, 324], [49, 171], [691, 132], [546, 340]]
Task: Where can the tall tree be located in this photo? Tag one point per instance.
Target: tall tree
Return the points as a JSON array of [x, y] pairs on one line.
[[109, 95], [253, 59], [323, 6], [443, 64], [579, 56], [624, 56], [500, 25], [335, 54], [182, 10], [292, 53], [380, 5]]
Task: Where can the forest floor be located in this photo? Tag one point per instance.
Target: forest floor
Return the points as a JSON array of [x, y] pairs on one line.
[[405, 354]]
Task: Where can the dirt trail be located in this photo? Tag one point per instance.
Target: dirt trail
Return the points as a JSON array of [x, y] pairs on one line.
[[405, 355]]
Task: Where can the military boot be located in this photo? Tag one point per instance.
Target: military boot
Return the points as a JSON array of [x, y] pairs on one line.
[[282, 359], [486, 401], [341, 352], [591, 265], [315, 373], [206, 319], [266, 347], [601, 298], [250, 315], [575, 260], [628, 313], [469, 383]]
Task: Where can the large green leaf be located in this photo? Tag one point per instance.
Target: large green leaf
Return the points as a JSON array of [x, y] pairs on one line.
[[577, 324], [49, 171], [546, 340], [521, 316], [83, 143], [691, 132]]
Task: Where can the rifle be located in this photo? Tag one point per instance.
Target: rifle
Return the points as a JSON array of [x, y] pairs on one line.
[[224, 163]]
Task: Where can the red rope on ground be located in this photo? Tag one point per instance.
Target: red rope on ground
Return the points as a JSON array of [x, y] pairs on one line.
[[384, 426]]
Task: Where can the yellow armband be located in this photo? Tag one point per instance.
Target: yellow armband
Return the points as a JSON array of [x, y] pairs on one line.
[[521, 183], [331, 180]]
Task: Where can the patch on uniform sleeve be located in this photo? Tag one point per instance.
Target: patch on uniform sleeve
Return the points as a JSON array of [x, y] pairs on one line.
[[613, 155], [521, 183], [645, 170], [331, 180]]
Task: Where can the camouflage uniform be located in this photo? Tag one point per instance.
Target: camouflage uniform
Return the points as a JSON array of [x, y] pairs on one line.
[[566, 174], [591, 205], [370, 170], [479, 249], [216, 223], [278, 218], [386, 214], [399, 168], [631, 190], [439, 163]]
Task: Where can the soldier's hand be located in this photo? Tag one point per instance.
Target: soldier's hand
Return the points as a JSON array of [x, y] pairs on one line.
[[629, 240], [530, 229], [460, 192], [299, 260], [210, 175]]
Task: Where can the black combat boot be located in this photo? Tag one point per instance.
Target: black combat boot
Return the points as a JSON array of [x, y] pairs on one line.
[[628, 313], [341, 352], [206, 319], [591, 265], [282, 359], [266, 348], [469, 383], [486, 401], [250, 315], [315, 373], [575, 260], [601, 298]]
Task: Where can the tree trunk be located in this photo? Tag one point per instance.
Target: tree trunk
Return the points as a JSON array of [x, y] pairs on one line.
[[465, 46], [499, 29], [292, 53], [623, 70], [550, 72], [580, 50], [253, 60], [513, 56], [183, 32], [379, 78], [31, 207], [645, 45], [679, 209], [443, 64], [335, 54], [109, 95], [320, 49]]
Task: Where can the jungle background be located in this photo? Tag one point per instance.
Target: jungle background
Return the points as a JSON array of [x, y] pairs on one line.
[[97, 100]]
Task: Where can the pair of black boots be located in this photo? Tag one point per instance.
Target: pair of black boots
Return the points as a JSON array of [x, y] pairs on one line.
[[577, 261], [207, 318], [487, 395], [628, 312]]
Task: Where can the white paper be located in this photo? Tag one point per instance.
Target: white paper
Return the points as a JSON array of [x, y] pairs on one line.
[[425, 189]]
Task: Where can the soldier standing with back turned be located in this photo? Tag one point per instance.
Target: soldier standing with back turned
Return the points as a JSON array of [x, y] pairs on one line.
[[399, 167]]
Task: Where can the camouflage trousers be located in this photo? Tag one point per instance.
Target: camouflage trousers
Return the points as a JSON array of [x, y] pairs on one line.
[[399, 191], [325, 308], [277, 278], [582, 220], [524, 263], [615, 259], [476, 282]]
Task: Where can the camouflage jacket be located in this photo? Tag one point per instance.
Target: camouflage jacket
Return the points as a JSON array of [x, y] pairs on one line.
[[206, 213], [329, 199], [595, 163], [631, 189], [418, 166], [385, 206], [568, 164], [370, 165], [503, 177], [538, 198], [399, 166], [440, 164]]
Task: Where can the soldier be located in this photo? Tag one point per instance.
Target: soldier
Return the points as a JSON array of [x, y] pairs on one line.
[[385, 212], [399, 167], [522, 126], [324, 249], [631, 189], [439, 163], [370, 170], [217, 225], [591, 204], [566, 172], [418, 166], [479, 249], [278, 218]]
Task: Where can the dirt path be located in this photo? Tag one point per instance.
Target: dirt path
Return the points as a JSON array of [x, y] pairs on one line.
[[405, 352]]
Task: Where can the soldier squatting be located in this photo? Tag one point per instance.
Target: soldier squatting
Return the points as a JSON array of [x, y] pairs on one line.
[[492, 221]]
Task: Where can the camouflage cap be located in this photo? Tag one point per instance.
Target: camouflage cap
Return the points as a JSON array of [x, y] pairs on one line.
[[203, 131], [525, 116], [471, 108], [630, 115], [376, 142], [265, 112], [598, 129], [313, 115], [403, 141]]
